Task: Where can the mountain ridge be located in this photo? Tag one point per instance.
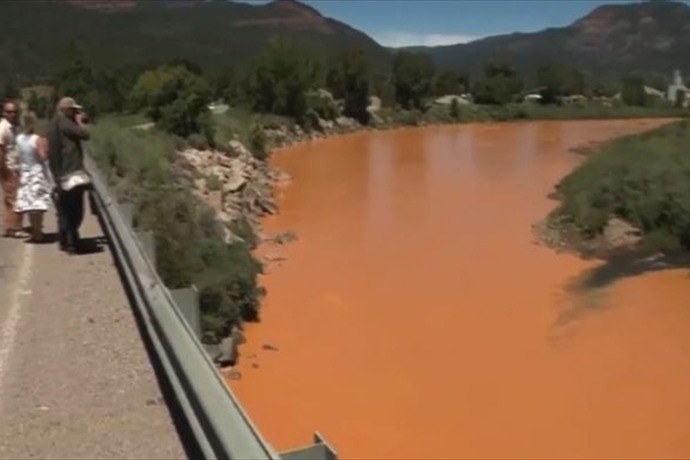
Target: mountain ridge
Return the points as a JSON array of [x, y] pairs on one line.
[[648, 39], [215, 34]]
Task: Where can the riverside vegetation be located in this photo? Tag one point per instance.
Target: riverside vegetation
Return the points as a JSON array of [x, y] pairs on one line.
[[199, 179], [637, 183]]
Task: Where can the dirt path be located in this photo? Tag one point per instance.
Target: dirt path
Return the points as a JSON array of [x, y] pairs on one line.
[[75, 378]]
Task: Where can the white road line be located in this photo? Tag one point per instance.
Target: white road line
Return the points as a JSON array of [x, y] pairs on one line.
[[8, 332]]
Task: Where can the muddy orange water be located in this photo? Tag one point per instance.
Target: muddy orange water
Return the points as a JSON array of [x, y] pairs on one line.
[[416, 318]]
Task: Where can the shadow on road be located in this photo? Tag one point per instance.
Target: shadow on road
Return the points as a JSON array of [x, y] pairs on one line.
[[48, 238], [93, 245]]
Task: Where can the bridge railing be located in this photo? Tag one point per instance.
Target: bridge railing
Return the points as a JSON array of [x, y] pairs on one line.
[[220, 426]]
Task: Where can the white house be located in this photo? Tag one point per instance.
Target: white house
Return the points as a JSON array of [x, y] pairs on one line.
[[676, 87]]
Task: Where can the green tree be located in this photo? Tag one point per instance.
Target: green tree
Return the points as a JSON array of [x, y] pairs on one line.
[[33, 101], [75, 78], [450, 82], [175, 99], [601, 89], [192, 67], [43, 107], [557, 81], [413, 75], [11, 91], [227, 85], [500, 84], [454, 109], [632, 91], [279, 79], [383, 87], [348, 79], [112, 87], [99, 90], [681, 97]]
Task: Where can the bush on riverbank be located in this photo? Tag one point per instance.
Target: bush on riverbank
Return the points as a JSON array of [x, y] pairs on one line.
[[190, 246], [642, 179], [441, 114]]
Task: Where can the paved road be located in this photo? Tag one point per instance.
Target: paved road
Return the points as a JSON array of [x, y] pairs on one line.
[[75, 378]]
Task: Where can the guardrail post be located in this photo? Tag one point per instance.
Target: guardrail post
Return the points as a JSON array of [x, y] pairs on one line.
[[148, 243], [320, 450], [187, 301]]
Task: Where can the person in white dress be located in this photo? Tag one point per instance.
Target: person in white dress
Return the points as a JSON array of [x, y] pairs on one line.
[[33, 196]]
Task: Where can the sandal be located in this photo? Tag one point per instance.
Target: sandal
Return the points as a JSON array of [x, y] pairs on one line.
[[16, 234]]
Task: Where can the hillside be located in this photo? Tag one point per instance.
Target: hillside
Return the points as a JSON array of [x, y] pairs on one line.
[[216, 34], [651, 39]]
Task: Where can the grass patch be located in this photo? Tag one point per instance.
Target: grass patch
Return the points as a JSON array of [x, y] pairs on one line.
[[241, 124], [642, 179], [190, 247], [470, 113]]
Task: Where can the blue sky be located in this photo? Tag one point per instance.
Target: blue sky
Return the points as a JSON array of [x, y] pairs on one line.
[[443, 22]]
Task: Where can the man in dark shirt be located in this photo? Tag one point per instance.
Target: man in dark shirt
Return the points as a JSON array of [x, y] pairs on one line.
[[65, 133]]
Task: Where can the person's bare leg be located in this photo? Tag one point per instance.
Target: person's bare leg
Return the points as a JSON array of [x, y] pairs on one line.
[[9, 180], [36, 219]]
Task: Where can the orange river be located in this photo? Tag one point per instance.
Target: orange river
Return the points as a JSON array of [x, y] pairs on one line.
[[415, 317]]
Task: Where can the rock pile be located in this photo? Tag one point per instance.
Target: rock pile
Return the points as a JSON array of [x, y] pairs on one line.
[[284, 136], [239, 188], [235, 184]]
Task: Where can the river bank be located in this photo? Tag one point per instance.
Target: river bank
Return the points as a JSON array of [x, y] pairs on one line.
[[626, 200], [282, 133], [420, 241], [234, 202], [236, 184]]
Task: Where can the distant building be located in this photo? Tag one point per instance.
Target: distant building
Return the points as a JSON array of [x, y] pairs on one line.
[[648, 90], [449, 98], [532, 97], [677, 87], [574, 99]]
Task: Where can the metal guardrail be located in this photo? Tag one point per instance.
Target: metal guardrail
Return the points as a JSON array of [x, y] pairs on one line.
[[218, 422]]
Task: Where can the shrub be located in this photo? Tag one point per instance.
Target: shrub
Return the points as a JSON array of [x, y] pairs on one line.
[[197, 141], [241, 228], [409, 117], [190, 246], [454, 109], [258, 142], [175, 99], [322, 104], [640, 178]]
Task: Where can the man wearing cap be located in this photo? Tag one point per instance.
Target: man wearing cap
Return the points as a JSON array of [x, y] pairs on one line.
[[66, 131]]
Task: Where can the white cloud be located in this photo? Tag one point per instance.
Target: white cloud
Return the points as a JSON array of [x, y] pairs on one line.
[[398, 39]]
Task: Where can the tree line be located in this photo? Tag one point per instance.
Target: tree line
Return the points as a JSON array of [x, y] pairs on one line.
[[285, 79]]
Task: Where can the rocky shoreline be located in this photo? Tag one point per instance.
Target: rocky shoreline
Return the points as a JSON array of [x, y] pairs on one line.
[[559, 234], [239, 187]]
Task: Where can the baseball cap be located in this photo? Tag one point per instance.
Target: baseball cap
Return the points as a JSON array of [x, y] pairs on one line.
[[68, 103]]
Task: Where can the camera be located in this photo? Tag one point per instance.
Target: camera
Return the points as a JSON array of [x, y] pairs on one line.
[[84, 117]]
